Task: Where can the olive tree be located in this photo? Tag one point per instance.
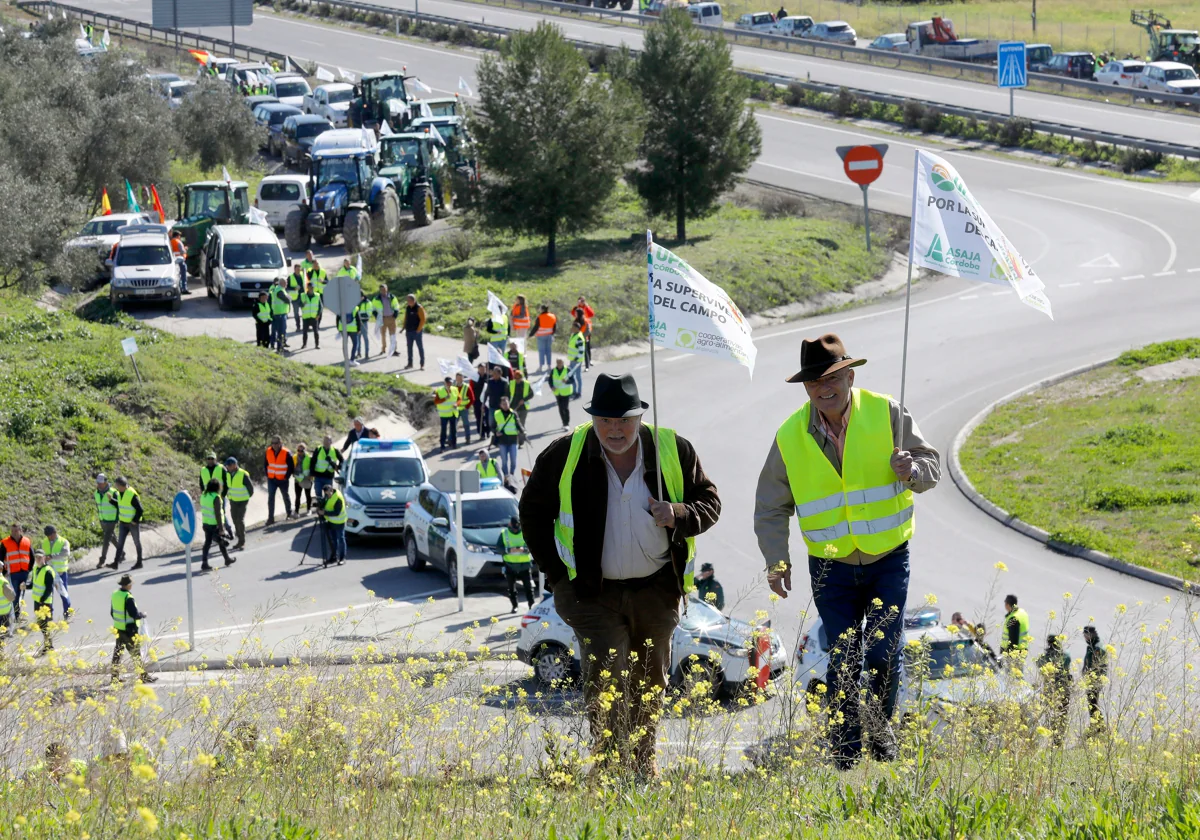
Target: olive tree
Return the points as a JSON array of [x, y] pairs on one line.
[[214, 124]]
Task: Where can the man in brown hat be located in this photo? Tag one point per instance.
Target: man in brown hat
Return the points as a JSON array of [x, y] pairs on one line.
[[618, 553], [848, 471]]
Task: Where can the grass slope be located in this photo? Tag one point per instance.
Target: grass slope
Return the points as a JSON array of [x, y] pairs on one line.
[[64, 378], [762, 259], [1104, 460]]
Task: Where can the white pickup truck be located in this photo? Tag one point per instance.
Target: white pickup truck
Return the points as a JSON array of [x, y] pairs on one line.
[[331, 101]]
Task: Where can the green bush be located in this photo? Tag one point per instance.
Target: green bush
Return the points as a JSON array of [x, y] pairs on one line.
[[845, 103], [913, 113], [1137, 434], [1126, 497], [1161, 353]]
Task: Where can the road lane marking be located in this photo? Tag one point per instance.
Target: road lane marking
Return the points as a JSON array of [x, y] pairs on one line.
[[1001, 294], [392, 42], [1067, 285], [968, 297], [1135, 277], [841, 181], [1107, 280], [1193, 270], [823, 324], [1164, 273]]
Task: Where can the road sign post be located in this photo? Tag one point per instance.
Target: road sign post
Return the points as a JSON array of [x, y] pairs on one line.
[[342, 294], [1011, 69], [457, 482], [863, 165], [183, 517]]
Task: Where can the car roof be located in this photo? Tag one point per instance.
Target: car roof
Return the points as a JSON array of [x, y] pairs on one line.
[[236, 184], [283, 178], [405, 135], [288, 77], [240, 234], [937, 633], [280, 106], [145, 239], [1168, 65], [382, 74], [334, 86], [494, 493], [902, 36], [1073, 54], [305, 119], [834, 23], [117, 217], [452, 119], [398, 448]]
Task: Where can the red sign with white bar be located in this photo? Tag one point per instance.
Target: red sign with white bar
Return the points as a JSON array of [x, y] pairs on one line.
[[862, 164]]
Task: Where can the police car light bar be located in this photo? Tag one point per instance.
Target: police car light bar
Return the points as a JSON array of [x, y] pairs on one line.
[[373, 445]]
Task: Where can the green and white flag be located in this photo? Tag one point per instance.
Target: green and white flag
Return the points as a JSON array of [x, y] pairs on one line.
[[953, 234]]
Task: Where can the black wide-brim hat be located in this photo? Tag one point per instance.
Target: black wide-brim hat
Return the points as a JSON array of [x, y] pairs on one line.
[[823, 356], [616, 396]]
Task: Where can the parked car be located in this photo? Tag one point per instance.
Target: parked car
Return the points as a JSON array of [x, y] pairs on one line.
[[102, 233], [178, 91], [1169, 77], [812, 656], [221, 63], [298, 133], [331, 101], [292, 90], [550, 646], [429, 533], [1037, 56], [247, 71], [706, 14], [835, 31], [160, 83], [1076, 65], [657, 7], [756, 22], [892, 42], [279, 195], [144, 269], [378, 479], [239, 261], [1121, 73], [271, 116], [793, 26], [257, 99]]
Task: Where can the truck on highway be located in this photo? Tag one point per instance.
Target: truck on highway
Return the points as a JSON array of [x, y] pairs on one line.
[[936, 38]]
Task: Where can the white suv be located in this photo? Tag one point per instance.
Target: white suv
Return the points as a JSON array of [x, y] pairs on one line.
[[429, 535], [378, 479], [549, 645], [143, 267], [240, 261]]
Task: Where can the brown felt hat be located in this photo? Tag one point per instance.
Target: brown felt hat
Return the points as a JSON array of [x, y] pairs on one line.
[[822, 356]]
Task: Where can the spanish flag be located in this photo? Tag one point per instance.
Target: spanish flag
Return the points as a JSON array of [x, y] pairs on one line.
[[158, 208], [105, 204], [201, 56]]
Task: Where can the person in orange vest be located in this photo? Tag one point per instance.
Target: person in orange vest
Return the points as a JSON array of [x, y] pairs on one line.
[[179, 252], [543, 330], [16, 552], [277, 463], [518, 317]]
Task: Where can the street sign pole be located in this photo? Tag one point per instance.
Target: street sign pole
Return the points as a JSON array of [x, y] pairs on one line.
[[459, 546], [1011, 104], [863, 165], [191, 611], [183, 517], [1012, 70], [867, 217]]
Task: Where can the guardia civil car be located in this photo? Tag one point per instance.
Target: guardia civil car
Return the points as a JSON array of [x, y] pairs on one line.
[[378, 479], [430, 536]]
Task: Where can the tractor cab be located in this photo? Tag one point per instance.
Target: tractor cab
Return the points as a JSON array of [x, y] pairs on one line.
[[417, 165], [201, 205], [348, 197], [381, 97]]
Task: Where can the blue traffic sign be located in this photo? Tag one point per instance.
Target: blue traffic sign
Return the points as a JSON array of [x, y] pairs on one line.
[[183, 517], [1011, 70]]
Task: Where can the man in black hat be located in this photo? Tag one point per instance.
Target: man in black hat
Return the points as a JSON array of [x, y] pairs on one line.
[[617, 550], [708, 589], [848, 471]]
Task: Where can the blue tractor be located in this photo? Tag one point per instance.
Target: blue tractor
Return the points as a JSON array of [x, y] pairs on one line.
[[348, 197]]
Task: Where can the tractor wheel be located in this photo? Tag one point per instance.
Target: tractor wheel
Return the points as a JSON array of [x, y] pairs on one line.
[[626, 5], [356, 230], [446, 205], [295, 232], [387, 220], [422, 204]]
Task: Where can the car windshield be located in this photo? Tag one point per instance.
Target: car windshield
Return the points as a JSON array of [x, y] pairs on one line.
[[405, 152], [443, 109], [144, 255], [180, 91], [103, 227], [841, 27], [341, 95], [488, 513], [700, 615], [388, 89], [386, 472], [337, 169], [277, 117], [310, 129], [948, 658], [296, 88], [1181, 74], [253, 255], [1040, 54], [211, 202], [1130, 68]]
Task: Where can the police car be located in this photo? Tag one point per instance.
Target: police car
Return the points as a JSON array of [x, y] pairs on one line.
[[378, 479], [549, 645], [429, 535]]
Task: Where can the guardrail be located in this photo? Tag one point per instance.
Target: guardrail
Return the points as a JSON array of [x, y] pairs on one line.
[[188, 40]]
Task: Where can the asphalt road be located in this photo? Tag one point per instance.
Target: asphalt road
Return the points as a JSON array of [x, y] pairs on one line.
[[1122, 267], [312, 41]]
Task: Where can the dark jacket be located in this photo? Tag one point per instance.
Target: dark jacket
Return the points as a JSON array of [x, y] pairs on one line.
[[589, 497], [493, 390], [353, 437]]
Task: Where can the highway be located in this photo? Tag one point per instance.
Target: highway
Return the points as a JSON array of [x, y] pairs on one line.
[[1122, 266], [309, 39]]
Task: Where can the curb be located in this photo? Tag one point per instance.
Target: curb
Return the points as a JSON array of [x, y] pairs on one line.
[[1032, 531]]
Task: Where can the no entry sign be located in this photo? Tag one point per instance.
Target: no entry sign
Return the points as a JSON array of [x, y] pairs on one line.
[[862, 164]]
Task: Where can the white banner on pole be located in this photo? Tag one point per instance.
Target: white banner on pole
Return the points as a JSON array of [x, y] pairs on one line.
[[953, 234], [496, 306], [495, 357], [691, 314], [325, 76], [421, 86], [464, 87], [347, 75], [449, 368], [468, 370], [519, 341]]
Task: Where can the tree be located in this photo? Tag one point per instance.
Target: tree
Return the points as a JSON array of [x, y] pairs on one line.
[[214, 124], [699, 133], [551, 137]]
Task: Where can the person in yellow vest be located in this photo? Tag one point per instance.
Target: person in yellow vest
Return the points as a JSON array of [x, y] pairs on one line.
[[43, 598], [517, 561], [847, 465], [618, 555], [106, 509], [486, 467], [212, 471], [308, 263], [310, 312], [576, 352], [58, 555], [445, 399], [1014, 644], [561, 386], [332, 513], [297, 283], [125, 617], [466, 402], [520, 392], [129, 515], [319, 278], [8, 599], [212, 517], [302, 472], [239, 489], [261, 312], [506, 434], [516, 359]]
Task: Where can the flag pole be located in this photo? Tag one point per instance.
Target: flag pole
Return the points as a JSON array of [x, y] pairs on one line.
[[653, 379], [912, 239]]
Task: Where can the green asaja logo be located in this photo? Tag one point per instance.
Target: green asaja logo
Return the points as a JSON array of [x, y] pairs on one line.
[[685, 339], [998, 271], [935, 249], [942, 179]]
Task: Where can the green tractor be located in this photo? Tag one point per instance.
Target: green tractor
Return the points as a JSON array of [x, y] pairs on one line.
[[201, 205], [1167, 44], [380, 97], [419, 169]]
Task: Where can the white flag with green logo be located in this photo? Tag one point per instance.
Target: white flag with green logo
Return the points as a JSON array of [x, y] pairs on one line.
[[953, 234], [690, 314]]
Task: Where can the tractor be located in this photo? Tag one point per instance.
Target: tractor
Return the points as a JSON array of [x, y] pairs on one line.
[[421, 173], [347, 197], [380, 97], [202, 204], [1167, 44]]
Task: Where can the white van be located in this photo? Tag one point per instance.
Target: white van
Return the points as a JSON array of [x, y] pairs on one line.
[[346, 139], [279, 195], [240, 261], [706, 14]]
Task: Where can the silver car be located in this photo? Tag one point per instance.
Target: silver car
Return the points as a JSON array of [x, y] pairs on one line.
[[893, 42], [835, 31], [1122, 73], [1169, 77]]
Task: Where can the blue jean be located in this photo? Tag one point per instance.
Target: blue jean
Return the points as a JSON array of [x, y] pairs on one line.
[[411, 336], [464, 414], [577, 378], [319, 482], [354, 339], [279, 485], [278, 330], [843, 594], [17, 579], [61, 583], [545, 350], [182, 265], [449, 431], [336, 541], [508, 459]]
